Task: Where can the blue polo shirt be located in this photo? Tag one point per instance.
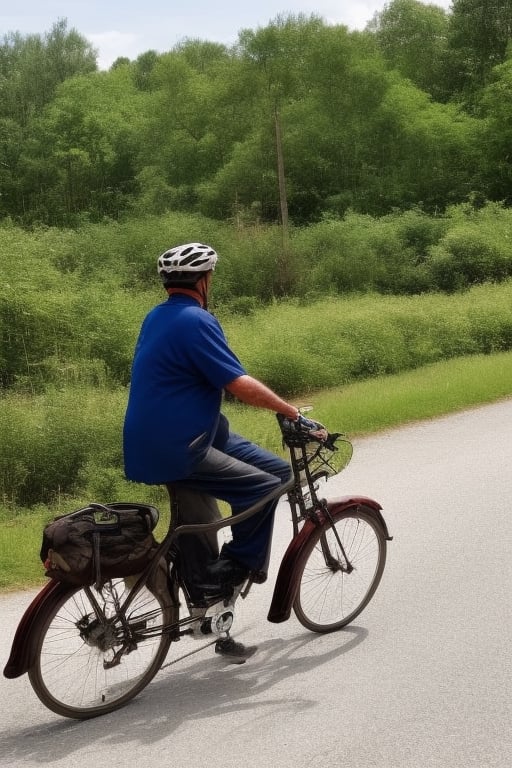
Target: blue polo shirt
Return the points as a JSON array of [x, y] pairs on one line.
[[182, 363]]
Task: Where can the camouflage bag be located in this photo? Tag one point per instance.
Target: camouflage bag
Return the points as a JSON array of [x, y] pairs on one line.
[[99, 542]]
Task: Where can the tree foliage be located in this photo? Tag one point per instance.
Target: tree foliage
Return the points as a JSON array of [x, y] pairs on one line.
[[413, 39], [299, 119], [478, 39]]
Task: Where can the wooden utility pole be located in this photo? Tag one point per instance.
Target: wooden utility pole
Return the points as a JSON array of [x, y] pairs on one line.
[[283, 264], [283, 201]]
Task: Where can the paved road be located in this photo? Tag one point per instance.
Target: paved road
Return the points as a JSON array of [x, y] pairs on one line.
[[423, 679]]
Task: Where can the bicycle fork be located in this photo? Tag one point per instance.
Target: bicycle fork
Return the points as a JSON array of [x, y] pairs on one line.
[[333, 562], [292, 564]]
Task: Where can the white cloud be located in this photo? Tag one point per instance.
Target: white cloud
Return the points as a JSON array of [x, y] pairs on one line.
[[112, 45]]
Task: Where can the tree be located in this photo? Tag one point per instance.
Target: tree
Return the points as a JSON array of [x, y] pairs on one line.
[[178, 143], [478, 36], [367, 139], [10, 150], [497, 134], [32, 67], [331, 134], [413, 39], [202, 105], [277, 55], [31, 70], [81, 156], [427, 152], [143, 69]]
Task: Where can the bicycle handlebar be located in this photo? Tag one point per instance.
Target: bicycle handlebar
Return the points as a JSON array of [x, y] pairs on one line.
[[301, 430], [294, 436]]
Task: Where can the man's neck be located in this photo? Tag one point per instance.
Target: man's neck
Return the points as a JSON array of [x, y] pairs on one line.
[[186, 292]]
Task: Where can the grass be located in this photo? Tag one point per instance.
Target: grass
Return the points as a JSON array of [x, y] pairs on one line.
[[20, 542], [389, 401], [358, 409], [426, 393], [333, 342]]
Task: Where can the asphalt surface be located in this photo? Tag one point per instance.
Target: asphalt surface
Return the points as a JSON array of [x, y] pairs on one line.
[[422, 679]]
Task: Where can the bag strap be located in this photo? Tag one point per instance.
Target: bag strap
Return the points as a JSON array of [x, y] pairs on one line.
[[100, 507], [97, 559]]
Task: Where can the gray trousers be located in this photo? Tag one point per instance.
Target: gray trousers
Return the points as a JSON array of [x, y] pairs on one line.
[[197, 507], [195, 551]]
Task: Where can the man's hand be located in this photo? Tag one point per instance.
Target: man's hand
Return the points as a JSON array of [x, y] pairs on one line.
[[303, 426], [313, 428]]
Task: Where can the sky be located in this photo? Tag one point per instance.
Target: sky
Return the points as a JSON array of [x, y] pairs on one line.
[[129, 28]]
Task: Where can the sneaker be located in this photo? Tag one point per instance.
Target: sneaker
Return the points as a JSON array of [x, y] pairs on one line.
[[222, 575], [235, 653], [258, 577]]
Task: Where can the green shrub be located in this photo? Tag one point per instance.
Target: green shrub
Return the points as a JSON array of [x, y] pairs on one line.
[[48, 440], [362, 253], [490, 319], [16, 434], [69, 441], [336, 256], [466, 257], [255, 264], [476, 248], [299, 349]]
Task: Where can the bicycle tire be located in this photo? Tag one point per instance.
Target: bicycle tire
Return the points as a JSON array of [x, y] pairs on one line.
[[69, 674], [329, 597]]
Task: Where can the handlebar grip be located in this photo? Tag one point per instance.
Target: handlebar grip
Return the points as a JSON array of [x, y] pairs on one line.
[[298, 429]]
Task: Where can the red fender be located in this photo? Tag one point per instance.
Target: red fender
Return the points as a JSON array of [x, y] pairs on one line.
[[292, 564], [21, 657]]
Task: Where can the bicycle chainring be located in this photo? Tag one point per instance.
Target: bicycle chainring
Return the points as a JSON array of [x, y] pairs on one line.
[[220, 616]]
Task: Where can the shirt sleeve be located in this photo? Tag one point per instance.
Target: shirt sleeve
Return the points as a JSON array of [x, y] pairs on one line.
[[212, 354]]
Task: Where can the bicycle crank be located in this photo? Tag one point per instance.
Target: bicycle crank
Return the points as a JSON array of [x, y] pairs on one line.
[[219, 617]]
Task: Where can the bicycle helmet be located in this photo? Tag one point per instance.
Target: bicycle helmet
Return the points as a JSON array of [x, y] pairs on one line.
[[186, 263]]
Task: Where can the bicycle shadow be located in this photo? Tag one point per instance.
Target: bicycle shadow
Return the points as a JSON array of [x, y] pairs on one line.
[[224, 688], [201, 685]]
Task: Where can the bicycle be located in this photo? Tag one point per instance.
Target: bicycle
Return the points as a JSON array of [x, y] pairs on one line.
[[90, 650]]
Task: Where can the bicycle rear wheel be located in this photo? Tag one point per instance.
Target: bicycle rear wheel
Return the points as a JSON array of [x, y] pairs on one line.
[[333, 590], [87, 665]]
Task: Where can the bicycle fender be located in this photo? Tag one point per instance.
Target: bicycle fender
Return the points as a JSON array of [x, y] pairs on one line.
[[23, 644], [292, 564], [338, 505]]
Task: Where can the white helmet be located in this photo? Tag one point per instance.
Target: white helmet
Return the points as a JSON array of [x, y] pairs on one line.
[[191, 257]]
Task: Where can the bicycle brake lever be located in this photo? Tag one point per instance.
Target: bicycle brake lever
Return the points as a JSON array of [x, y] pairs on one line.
[[331, 440]]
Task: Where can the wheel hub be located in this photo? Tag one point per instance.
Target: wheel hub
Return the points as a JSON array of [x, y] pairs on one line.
[[96, 634]]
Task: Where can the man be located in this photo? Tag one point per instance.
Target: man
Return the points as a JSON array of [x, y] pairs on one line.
[[175, 434]]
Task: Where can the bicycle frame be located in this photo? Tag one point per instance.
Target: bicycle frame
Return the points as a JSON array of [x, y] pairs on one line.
[[308, 514], [23, 645]]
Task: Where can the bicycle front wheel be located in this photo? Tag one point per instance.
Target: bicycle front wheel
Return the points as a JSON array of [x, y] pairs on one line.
[[90, 659], [337, 584]]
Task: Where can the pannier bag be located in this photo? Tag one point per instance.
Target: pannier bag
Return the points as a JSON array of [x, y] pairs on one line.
[[99, 542]]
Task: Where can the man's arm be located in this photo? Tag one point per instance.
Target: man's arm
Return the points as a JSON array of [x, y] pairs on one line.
[[253, 392]]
